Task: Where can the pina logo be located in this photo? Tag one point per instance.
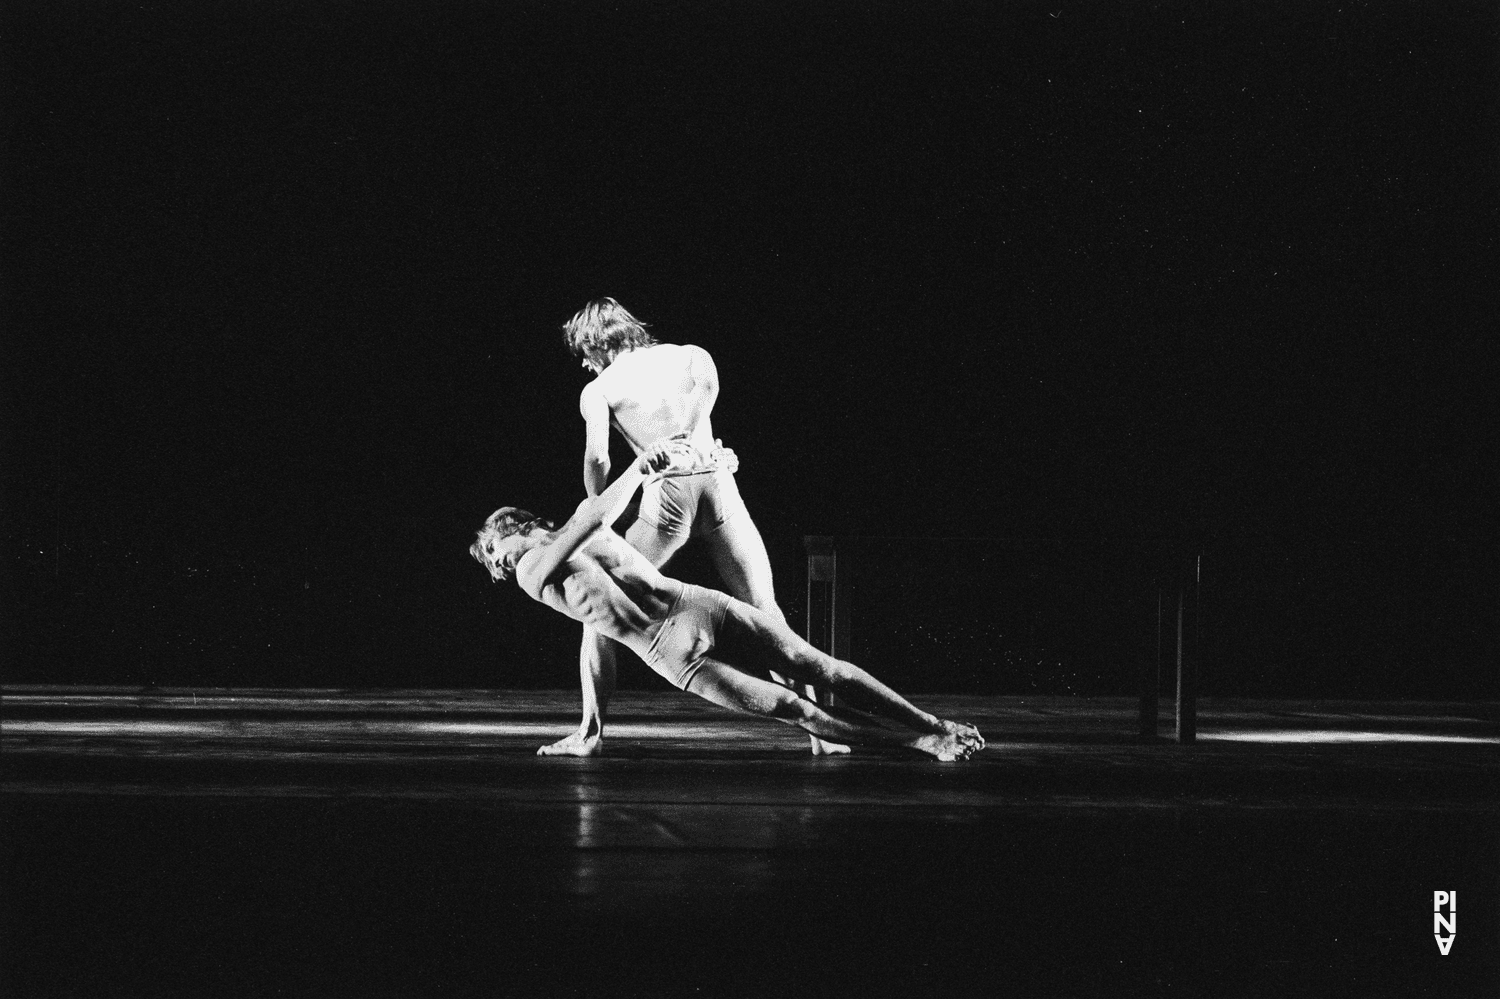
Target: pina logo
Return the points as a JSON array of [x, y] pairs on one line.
[[1442, 923]]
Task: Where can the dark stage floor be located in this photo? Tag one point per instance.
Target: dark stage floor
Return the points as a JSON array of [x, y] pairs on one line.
[[408, 843]]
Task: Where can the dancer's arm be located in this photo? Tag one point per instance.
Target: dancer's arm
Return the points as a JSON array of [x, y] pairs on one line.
[[595, 410], [591, 513]]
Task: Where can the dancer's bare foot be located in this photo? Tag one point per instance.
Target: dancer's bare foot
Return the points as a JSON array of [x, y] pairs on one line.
[[821, 748], [961, 728], [579, 743], [949, 747]]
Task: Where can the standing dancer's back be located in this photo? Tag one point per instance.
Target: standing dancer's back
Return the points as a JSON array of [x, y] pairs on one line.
[[652, 392], [656, 392]]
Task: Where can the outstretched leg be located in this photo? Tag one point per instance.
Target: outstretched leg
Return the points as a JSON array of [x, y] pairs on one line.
[[755, 642], [729, 687], [739, 555]]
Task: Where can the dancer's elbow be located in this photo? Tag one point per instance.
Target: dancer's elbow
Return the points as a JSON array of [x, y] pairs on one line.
[[595, 473]]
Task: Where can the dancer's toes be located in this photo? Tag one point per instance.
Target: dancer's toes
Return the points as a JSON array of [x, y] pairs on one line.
[[947, 748], [822, 748], [575, 744], [962, 731]]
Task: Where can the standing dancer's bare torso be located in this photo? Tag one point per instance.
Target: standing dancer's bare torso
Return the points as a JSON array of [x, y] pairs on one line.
[[653, 393]]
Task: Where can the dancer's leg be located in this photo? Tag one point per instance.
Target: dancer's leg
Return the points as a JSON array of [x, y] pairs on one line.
[[728, 687], [597, 656], [596, 677], [739, 555], [754, 641]]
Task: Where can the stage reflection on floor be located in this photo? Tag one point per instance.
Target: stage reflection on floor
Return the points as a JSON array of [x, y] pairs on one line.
[[330, 843]]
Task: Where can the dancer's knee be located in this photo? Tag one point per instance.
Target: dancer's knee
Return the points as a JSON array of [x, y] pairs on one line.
[[770, 608], [821, 669], [789, 708]]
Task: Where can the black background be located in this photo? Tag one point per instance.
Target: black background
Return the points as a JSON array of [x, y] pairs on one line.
[[284, 282]]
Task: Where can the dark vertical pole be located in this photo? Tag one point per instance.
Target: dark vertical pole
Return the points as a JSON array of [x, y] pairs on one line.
[[1200, 657], [57, 498], [841, 638], [831, 633], [820, 569], [1150, 680], [1187, 706]]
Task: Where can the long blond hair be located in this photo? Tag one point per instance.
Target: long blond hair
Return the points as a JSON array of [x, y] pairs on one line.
[[503, 523], [603, 328]]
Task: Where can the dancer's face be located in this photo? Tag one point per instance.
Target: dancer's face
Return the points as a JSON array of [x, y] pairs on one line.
[[595, 363], [501, 555]]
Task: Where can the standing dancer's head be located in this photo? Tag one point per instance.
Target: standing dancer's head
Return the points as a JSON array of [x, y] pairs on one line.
[[601, 330], [508, 534]]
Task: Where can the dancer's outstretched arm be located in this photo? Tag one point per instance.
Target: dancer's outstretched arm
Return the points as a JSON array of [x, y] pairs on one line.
[[591, 514]]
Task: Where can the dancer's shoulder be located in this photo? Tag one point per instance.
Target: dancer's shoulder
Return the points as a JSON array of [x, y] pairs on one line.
[[526, 573], [671, 350]]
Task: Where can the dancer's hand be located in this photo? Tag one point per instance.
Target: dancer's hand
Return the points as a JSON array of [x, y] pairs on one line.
[[724, 458], [657, 459]]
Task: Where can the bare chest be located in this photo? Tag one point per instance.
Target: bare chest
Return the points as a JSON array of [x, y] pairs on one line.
[[609, 596]]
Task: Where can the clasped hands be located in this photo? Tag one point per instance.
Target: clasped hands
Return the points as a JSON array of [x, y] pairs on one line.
[[681, 458]]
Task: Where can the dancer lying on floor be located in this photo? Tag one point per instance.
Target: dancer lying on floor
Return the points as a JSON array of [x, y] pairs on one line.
[[703, 641], [653, 392]]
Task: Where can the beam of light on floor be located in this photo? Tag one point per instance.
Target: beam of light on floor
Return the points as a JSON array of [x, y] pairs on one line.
[[727, 729], [1326, 735], [710, 729]]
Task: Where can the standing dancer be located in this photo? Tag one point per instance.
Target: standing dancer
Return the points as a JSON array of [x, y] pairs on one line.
[[703, 641], [654, 392]]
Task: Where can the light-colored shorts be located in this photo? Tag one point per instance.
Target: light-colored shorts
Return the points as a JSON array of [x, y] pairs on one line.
[[688, 634], [691, 505]]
